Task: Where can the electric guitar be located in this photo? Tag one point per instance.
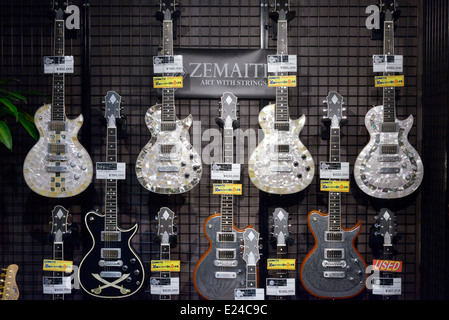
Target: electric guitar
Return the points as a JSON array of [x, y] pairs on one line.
[[333, 268], [281, 164], [57, 166], [111, 268], [8, 285], [165, 233], [58, 230], [221, 269], [388, 167], [168, 164]]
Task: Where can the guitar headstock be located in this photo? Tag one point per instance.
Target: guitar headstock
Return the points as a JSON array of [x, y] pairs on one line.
[[251, 247], [387, 225], [281, 10], [165, 229], [57, 9], [59, 222], [334, 110], [8, 284], [280, 226], [389, 9], [228, 111], [112, 111], [168, 10]]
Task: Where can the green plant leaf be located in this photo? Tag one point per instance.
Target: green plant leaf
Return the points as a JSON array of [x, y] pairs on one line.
[[10, 106], [14, 95], [5, 135], [27, 122]]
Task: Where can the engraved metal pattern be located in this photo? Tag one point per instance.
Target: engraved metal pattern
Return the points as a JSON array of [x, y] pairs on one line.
[[262, 164], [149, 160], [78, 162], [388, 176]]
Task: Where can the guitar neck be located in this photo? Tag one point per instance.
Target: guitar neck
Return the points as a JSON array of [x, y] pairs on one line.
[[334, 197], [58, 254], [251, 276], [168, 94], [57, 110], [111, 184], [389, 99], [165, 255], [282, 111], [227, 200]]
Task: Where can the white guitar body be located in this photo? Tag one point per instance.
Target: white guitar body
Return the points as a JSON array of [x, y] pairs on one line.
[[280, 172], [173, 172], [388, 176], [57, 174]]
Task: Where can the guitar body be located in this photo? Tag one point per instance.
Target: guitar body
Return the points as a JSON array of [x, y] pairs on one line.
[[77, 162], [129, 275], [351, 278], [405, 166], [204, 276], [280, 172], [180, 170]]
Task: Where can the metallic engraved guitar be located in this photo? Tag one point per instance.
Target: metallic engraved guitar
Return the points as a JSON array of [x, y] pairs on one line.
[[221, 269], [111, 268], [388, 167], [57, 166], [168, 164], [333, 268], [281, 164]]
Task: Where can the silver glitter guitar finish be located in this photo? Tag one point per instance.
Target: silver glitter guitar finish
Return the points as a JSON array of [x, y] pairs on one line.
[[168, 164], [57, 166], [281, 164], [388, 167], [333, 268]]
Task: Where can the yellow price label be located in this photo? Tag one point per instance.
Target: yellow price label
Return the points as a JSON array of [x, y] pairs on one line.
[[58, 265], [167, 82], [389, 81], [334, 186], [281, 264], [166, 265], [282, 81], [227, 188]]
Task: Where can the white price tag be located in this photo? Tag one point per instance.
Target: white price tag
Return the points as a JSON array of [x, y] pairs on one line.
[[249, 294], [111, 170], [334, 170], [282, 63], [386, 286], [58, 64], [387, 63], [225, 171], [281, 287], [57, 285], [168, 64], [160, 285]]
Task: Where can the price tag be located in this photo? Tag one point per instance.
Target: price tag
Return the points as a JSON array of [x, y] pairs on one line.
[[225, 171], [281, 287], [386, 286], [282, 63], [58, 64], [161, 285], [249, 294], [334, 170], [57, 285], [168, 64], [111, 170], [387, 63], [282, 81]]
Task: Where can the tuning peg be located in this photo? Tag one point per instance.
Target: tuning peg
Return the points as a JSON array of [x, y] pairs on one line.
[[325, 110], [324, 101]]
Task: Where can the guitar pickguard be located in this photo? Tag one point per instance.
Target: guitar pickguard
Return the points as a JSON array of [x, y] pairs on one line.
[[57, 174], [168, 164], [280, 164], [388, 167]]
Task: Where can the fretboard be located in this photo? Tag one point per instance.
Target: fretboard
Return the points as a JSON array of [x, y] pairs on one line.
[[334, 197], [251, 276], [58, 254], [227, 200], [168, 94], [282, 112], [57, 110], [111, 184], [165, 255], [389, 109]]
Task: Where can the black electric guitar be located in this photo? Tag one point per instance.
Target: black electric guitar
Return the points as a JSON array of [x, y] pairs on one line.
[[8, 285], [57, 166], [221, 269], [165, 232], [111, 268], [333, 268], [388, 167], [281, 164], [59, 223], [168, 163]]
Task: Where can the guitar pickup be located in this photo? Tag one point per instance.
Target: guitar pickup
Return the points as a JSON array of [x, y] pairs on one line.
[[108, 253], [225, 275], [226, 254], [168, 126], [389, 159], [226, 237], [283, 148], [56, 169], [111, 236], [167, 148], [389, 149], [389, 170], [333, 236], [282, 126], [116, 263], [57, 148], [334, 253], [110, 274], [334, 274], [389, 127], [57, 126]]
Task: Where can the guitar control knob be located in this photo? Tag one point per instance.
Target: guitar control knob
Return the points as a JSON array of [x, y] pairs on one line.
[[303, 157], [299, 175], [404, 165], [195, 168], [183, 164], [191, 156], [76, 176], [136, 272], [296, 163], [79, 155], [307, 168], [72, 164], [132, 260], [125, 267], [129, 279], [187, 175]]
